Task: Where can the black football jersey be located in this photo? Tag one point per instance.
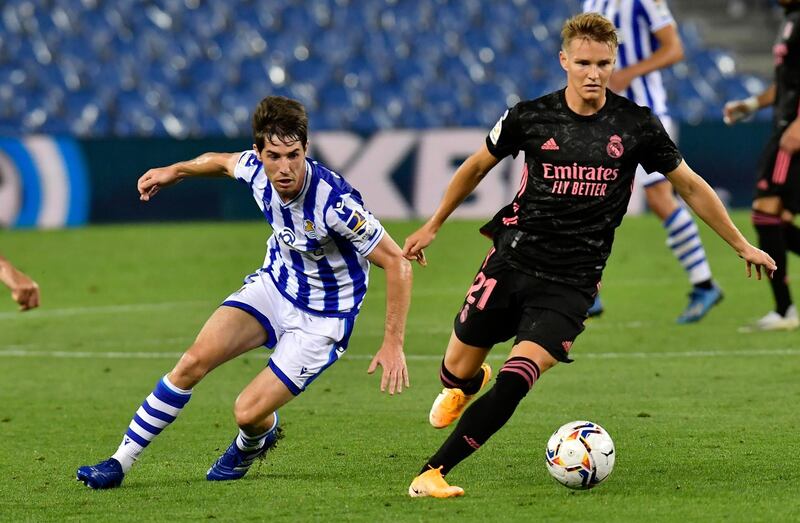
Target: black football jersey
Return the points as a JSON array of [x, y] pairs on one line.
[[576, 182], [786, 52]]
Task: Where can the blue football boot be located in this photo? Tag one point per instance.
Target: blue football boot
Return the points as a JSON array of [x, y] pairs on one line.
[[700, 302], [596, 309], [107, 474], [235, 463]]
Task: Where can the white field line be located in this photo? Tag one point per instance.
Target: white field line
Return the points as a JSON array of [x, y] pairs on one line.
[[100, 309], [455, 292], [445, 327], [21, 351]]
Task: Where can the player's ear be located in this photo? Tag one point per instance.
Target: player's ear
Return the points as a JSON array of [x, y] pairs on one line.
[[255, 149], [562, 58]]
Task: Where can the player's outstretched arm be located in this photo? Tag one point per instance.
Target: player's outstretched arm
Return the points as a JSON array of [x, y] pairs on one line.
[[467, 177], [23, 289], [736, 110], [705, 202], [388, 256], [208, 164]]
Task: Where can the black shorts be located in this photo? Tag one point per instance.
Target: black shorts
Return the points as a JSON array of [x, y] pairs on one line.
[[779, 175], [503, 302]]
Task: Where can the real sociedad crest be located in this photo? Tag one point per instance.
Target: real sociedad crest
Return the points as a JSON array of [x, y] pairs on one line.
[[43, 183], [308, 228]]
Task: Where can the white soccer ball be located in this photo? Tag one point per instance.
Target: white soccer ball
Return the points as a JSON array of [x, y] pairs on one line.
[[580, 455]]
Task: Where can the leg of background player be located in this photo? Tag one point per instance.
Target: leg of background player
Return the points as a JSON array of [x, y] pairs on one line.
[[683, 239]]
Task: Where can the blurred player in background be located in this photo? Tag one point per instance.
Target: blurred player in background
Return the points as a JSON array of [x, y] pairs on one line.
[[649, 41], [23, 289], [777, 198], [302, 302], [582, 147]]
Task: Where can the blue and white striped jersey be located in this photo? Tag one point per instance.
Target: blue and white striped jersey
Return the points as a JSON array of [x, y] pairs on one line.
[[316, 255], [636, 22]]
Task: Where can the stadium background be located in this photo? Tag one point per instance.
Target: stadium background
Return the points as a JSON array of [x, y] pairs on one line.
[[93, 93]]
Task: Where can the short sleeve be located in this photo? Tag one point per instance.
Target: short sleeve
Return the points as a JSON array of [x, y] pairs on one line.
[[358, 226], [657, 14], [247, 167], [658, 152], [505, 137]]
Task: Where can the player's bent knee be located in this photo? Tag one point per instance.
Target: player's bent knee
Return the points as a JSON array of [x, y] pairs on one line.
[[660, 199], [189, 370], [768, 205], [250, 415]]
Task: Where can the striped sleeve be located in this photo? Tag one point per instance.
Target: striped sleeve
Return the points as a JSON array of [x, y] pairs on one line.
[[357, 225], [247, 167], [657, 14]]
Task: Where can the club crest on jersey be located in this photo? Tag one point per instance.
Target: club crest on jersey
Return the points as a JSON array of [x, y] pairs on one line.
[[309, 230], [614, 147]]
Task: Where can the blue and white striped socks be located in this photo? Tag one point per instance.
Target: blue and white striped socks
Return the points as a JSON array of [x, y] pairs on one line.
[[247, 443], [159, 409], [683, 239]]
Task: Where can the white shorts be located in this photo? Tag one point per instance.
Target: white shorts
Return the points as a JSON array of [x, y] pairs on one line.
[[304, 344], [646, 180]]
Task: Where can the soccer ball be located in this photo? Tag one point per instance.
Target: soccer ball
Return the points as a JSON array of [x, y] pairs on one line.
[[580, 455]]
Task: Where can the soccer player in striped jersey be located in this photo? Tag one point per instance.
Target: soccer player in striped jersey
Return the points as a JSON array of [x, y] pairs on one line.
[[777, 199], [302, 302], [649, 41]]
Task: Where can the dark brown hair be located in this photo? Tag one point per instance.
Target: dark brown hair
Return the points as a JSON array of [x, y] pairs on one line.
[[591, 26], [282, 118]]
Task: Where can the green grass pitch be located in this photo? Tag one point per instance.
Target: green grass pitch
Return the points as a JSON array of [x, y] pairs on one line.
[[705, 419]]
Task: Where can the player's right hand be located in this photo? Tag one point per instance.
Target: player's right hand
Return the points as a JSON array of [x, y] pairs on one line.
[[755, 257], [736, 110], [416, 242], [154, 179]]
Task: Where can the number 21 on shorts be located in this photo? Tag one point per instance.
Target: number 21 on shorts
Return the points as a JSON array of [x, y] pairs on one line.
[[480, 291]]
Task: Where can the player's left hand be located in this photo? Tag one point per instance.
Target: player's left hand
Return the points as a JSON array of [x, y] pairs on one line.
[[758, 258], [620, 80], [790, 139], [395, 372]]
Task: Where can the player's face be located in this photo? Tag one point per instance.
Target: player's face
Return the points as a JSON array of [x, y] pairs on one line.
[[589, 65], [285, 165]]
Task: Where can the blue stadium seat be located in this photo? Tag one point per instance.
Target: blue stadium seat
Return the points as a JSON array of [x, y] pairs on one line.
[[129, 68]]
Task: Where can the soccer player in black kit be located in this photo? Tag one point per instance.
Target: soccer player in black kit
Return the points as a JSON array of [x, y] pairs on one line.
[[777, 198], [582, 145]]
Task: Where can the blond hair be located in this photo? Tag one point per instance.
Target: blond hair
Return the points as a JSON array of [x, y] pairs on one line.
[[589, 26]]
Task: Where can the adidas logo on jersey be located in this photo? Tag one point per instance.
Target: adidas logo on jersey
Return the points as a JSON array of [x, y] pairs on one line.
[[550, 145]]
